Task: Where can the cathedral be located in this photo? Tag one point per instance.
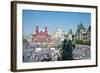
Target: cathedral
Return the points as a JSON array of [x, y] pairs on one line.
[[41, 36]]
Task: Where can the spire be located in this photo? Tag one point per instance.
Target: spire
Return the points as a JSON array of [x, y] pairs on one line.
[[81, 23], [36, 26], [37, 29], [46, 29]]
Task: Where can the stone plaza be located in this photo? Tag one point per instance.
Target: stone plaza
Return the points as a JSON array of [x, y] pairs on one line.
[[81, 52]]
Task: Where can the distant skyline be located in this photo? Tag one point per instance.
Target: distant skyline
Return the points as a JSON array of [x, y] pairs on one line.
[[53, 20]]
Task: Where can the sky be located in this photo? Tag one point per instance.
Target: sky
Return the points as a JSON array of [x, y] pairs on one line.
[[53, 20]]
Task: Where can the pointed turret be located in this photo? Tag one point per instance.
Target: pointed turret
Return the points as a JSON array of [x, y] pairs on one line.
[[37, 29], [46, 29]]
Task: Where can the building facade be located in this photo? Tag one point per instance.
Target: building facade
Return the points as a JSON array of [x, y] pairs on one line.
[[82, 33], [41, 36], [58, 36]]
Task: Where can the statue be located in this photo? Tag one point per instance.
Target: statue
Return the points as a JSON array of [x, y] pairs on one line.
[[67, 48]]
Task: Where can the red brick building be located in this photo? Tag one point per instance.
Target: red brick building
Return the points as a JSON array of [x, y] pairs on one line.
[[41, 36]]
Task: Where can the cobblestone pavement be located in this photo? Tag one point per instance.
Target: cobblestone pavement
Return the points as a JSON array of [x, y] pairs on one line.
[[44, 54]]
